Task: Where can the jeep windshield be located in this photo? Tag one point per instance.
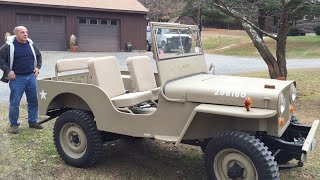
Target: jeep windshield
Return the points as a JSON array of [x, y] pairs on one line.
[[174, 41]]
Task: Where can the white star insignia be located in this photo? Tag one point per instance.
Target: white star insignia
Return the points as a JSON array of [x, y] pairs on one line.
[[43, 94]]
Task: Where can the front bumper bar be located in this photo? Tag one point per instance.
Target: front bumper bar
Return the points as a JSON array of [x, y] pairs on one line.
[[300, 140], [310, 142]]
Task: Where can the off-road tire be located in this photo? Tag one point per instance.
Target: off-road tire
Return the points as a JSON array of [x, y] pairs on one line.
[[81, 124], [248, 147]]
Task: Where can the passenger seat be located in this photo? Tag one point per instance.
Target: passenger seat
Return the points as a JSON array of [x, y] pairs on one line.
[[142, 76]]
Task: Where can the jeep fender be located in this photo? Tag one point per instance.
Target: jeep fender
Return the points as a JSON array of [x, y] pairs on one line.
[[231, 111]]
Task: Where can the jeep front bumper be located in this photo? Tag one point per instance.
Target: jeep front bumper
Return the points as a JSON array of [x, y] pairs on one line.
[[298, 140]]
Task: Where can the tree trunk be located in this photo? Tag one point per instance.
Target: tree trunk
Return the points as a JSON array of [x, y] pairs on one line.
[[282, 41], [263, 50]]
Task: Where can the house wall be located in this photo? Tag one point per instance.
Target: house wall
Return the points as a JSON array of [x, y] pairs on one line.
[[132, 25]]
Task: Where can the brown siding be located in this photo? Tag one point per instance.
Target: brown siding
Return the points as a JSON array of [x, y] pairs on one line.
[[7, 21], [132, 26]]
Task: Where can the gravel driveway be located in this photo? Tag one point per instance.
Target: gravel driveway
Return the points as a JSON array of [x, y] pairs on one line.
[[223, 64]]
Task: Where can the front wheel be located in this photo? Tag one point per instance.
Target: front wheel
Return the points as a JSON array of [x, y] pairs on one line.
[[77, 139], [237, 155]]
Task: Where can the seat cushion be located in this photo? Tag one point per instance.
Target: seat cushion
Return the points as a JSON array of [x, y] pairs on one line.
[[131, 99], [105, 73], [141, 73], [63, 65]]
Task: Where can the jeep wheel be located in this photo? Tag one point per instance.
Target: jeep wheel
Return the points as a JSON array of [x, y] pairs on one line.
[[237, 155], [77, 139]]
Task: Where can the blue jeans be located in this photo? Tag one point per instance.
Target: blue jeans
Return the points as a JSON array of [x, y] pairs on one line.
[[27, 84]]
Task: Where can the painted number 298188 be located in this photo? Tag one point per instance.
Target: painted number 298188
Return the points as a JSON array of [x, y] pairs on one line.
[[232, 93]]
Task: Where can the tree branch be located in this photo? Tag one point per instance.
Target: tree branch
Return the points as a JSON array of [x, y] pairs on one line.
[[236, 15], [302, 5], [298, 8]]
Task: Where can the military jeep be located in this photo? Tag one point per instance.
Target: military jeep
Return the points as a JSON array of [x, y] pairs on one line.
[[245, 126]]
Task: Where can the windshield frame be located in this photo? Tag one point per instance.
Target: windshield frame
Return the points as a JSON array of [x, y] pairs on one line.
[[179, 27]]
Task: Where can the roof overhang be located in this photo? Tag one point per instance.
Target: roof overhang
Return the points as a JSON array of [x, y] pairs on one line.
[[73, 7]]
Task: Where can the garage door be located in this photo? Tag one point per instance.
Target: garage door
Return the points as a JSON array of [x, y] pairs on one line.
[[98, 34], [47, 32]]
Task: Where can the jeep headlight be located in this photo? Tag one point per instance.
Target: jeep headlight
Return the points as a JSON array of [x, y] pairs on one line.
[[281, 103], [293, 93]]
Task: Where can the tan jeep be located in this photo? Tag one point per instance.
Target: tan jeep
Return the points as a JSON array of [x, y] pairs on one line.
[[245, 126]]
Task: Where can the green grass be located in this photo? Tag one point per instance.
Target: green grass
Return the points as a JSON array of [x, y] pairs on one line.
[[297, 47], [216, 42]]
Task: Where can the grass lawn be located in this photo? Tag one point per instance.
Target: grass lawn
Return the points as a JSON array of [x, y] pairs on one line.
[[32, 155], [297, 47]]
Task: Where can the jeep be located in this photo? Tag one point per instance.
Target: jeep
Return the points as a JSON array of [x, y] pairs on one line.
[[245, 126]]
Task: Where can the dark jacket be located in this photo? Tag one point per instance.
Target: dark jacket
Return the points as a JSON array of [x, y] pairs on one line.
[[7, 53]]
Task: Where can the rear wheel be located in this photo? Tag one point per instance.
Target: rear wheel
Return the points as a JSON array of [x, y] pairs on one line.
[[237, 155], [77, 139]]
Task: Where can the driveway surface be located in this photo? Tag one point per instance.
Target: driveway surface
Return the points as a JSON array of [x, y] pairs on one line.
[[223, 64]]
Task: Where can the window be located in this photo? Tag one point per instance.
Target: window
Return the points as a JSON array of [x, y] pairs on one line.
[[82, 21], [93, 21], [104, 22], [114, 22], [47, 19], [23, 17], [57, 20], [35, 18]]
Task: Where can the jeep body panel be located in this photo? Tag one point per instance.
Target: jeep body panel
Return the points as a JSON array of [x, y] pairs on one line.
[[231, 90], [166, 123]]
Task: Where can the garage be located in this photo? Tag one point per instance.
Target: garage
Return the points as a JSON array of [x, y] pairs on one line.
[[99, 34], [48, 32], [99, 25]]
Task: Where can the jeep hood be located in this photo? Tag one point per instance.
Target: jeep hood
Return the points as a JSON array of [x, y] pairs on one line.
[[226, 90]]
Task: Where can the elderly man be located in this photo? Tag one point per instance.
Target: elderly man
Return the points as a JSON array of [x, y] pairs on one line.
[[20, 61]]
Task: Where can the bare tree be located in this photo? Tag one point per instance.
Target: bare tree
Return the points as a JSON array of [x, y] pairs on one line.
[[242, 10], [159, 9]]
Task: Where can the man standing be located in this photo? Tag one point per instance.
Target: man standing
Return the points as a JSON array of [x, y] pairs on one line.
[[20, 61]]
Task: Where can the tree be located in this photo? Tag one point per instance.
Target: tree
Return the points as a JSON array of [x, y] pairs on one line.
[[242, 11], [160, 10]]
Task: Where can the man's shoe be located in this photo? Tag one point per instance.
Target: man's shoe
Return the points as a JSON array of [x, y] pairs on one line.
[[14, 130], [35, 125]]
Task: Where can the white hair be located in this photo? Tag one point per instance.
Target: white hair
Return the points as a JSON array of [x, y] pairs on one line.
[[16, 29]]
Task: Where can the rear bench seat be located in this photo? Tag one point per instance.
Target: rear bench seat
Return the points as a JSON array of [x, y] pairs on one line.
[[65, 65]]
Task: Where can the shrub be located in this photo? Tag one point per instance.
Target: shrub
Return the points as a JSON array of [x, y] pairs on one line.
[[317, 30], [293, 32]]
